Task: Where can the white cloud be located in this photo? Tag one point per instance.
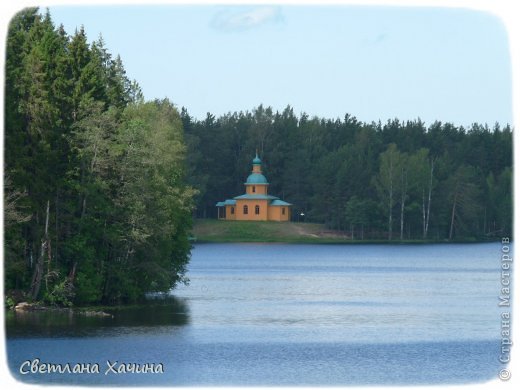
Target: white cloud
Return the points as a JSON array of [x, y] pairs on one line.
[[239, 20]]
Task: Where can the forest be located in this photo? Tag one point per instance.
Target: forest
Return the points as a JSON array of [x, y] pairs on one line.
[[394, 180], [96, 209], [101, 187]]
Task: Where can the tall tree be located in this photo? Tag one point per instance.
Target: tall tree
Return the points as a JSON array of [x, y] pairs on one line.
[[463, 198], [359, 212], [422, 178], [404, 168], [387, 181]]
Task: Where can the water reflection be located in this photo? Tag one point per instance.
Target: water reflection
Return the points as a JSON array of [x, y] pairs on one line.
[[170, 311]]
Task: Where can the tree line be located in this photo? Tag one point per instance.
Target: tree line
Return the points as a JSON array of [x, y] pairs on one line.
[[96, 208], [393, 180]]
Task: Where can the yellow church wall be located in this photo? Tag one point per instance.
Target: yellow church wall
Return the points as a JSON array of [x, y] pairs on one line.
[[287, 216], [260, 189], [231, 212], [251, 216], [275, 213], [267, 213]]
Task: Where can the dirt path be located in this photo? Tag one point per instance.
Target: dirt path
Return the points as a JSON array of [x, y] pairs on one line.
[[302, 232]]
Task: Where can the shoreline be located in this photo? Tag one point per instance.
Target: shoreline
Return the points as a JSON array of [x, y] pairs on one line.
[[345, 242], [219, 231], [91, 310]]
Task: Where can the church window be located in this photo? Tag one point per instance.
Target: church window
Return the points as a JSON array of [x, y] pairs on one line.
[[246, 209], [257, 209]]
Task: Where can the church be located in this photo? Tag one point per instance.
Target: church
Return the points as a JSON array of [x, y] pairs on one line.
[[255, 204]]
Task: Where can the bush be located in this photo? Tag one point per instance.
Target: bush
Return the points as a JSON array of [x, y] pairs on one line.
[[61, 295]]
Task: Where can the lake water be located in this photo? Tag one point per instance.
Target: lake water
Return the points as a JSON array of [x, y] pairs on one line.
[[278, 314]]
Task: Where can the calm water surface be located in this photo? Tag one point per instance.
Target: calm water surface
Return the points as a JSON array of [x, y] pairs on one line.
[[277, 314]]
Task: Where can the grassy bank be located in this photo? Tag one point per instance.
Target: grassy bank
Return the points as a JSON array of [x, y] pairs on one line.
[[207, 230], [210, 230]]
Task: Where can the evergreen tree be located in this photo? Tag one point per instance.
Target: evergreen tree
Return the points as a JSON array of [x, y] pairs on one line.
[[97, 209]]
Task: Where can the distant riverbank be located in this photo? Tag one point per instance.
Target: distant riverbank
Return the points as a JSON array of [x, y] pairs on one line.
[[211, 230]]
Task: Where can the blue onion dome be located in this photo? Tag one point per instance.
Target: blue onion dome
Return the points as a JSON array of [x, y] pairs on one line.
[[256, 178], [257, 160]]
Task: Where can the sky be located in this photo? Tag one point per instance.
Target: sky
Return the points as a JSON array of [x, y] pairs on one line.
[[373, 62]]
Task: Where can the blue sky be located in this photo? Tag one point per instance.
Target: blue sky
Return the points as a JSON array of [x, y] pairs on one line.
[[373, 62]]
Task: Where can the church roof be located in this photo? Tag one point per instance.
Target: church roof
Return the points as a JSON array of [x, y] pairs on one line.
[[256, 197], [227, 202], [278, 202], [256, 178], [257, 160]]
